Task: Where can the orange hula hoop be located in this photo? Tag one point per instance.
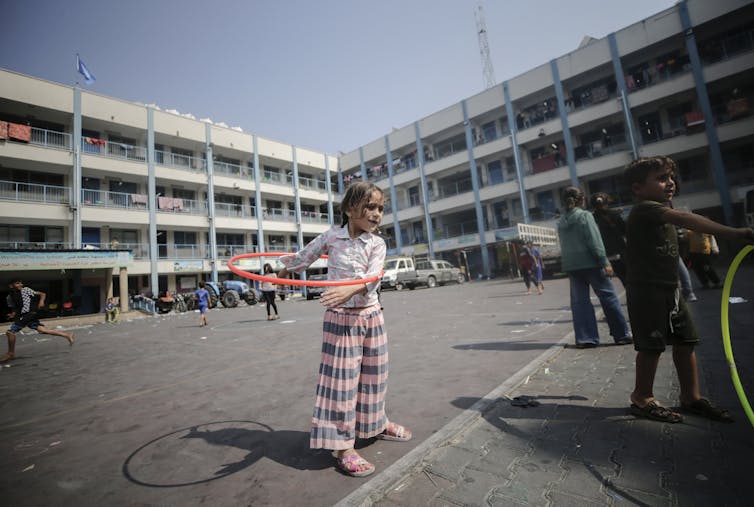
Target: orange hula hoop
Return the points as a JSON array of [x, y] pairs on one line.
[[287, 281]]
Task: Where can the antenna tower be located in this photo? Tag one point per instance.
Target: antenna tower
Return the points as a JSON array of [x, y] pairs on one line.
[[488, 73]]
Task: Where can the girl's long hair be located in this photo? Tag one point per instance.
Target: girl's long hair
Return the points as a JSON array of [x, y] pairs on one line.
[[267, 268], [356, 197]]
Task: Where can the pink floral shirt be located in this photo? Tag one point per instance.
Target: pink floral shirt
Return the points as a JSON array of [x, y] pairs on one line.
[[347, 259]]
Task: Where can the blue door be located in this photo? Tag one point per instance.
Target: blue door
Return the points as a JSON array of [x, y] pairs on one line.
[[90, 236]]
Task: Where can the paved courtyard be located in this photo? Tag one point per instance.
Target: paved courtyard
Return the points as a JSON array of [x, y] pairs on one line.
[[159, 411]]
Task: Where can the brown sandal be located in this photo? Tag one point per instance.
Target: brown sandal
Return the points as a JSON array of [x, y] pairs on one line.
[[705, 408], [656, 412]]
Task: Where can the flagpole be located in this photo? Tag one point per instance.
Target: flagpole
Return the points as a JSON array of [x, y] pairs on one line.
[[77, 69]]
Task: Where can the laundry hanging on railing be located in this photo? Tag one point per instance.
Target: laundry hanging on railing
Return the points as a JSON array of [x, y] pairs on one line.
[[139, 199], [3, 130], [93, 140], [170, 203], [19, 132]]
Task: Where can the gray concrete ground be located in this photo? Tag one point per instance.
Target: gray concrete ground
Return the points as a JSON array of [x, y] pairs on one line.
[[580, 446], [161, 412]]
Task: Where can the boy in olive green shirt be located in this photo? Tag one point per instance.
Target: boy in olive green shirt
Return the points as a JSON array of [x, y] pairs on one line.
[[657, 312]]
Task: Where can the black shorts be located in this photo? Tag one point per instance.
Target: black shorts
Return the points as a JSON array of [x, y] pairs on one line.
[[659, 317]]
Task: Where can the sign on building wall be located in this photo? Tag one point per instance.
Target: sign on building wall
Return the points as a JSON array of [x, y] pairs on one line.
[[42, 259], [188, 266]]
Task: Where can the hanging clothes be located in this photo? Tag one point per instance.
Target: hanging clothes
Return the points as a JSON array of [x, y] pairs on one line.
[[19, 132]]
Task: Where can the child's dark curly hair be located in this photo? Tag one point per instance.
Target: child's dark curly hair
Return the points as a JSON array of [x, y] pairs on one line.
[[638, 170], [356, 197]]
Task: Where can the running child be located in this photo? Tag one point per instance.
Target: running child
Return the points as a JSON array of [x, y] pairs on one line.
[[350, 400], [658, 314], [23, 316]]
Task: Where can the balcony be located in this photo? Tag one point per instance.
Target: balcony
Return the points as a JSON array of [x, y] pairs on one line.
[[183, 251], [107, 199], [312, 184], [180, 205], [34, 245], [280, 248], [233, 170], [652, 73], [537, 114], [601, 148], [223, 209], [451, 189], [122, 200], [227, 251], [315, 217], [50, 138], [414, 200], [32, 192], [94, 146], [379, 172], [732, 110], [279, 214], [138, 250], [180, 161], [275, 178], [456, 230], [725, 48], [547, 162]]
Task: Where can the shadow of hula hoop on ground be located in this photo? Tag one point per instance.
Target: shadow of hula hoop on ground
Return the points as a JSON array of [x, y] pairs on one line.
[[286, 447]]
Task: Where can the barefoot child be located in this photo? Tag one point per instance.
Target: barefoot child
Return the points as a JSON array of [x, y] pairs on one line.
[[350, 400], [23, 316], [659, 317]]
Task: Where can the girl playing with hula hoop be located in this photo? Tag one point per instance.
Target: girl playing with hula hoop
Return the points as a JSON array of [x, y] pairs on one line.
[[353, 371]]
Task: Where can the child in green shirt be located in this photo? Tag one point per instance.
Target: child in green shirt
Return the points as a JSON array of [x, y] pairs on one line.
[[658, 314]]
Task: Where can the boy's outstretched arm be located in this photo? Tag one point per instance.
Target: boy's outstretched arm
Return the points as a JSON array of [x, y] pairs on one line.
[[702, 224]]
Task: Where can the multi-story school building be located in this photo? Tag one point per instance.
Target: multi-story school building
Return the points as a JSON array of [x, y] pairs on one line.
[[680, 83], [80, 171], [85, 172]]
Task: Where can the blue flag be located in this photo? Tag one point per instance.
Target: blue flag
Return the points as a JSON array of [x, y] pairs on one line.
[[88, 76]]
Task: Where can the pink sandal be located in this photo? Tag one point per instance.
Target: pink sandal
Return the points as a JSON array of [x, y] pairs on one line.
[[350, 464], [395, 432]]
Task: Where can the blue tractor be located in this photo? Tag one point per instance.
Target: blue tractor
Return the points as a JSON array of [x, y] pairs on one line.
[[230, 293]]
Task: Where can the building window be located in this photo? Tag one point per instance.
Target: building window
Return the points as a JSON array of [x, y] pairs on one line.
[[184, 238], [495, 172], [489, 131]]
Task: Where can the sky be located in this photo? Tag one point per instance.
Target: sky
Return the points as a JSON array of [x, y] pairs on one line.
[[327, 75]]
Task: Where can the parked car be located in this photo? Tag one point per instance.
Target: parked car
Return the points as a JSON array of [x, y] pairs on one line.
[[438, 272]]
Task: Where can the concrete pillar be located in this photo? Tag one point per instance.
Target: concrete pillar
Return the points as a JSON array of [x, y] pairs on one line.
[[109, 273], [123, 289]]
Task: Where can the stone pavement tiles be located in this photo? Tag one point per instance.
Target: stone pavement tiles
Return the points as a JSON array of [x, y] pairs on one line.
[[580, 446]]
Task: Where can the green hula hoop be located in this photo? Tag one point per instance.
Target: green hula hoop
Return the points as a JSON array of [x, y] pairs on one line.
[[725, 323]]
